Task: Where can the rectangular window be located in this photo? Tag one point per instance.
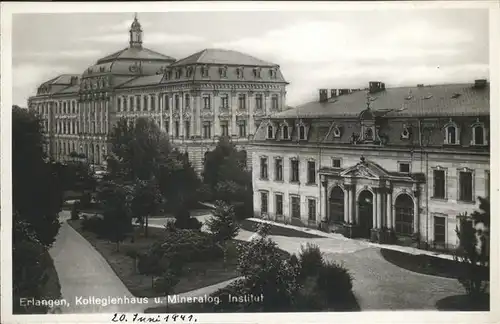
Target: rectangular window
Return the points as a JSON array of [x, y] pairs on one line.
[[279, 204], [263, 203], [187, 101], [294, 177], [119, 104], [224, 128], [295, 202], [336, 163], [404, 167], [439, 184], [311, 209], [131, 102], [465, 179], [207, 129], [242, 105], [243, 128], [274, 102], [278, 170], [258, 101], [138, 103], [439, 230], [176, 129], [167, 126], [166, 101], [204, 71], [187, 130], [152, 102], [224, 101], [311, 172], [263, 168], [177, 102], [206, 102], [145, 103]]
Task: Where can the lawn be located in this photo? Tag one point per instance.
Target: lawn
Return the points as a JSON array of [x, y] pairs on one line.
[[251, 226], [196, 274]]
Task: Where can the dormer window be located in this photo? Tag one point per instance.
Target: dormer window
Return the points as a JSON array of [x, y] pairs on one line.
[[478, 134], [302, 132], [284, 132], [204, 71], [256, 73], [405, 134], [223, 72], [239, 73], [451, 134], [336, 132], [272, 74], [270, 132]]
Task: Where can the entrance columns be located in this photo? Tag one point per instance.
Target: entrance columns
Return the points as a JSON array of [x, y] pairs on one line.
[[375, 207], [379, 208], [388, 205], [346, 203], [416, 215], [350, 204], [324, 183]]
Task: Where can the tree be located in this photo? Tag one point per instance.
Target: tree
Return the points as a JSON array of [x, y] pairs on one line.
[[169, 279], [146, 199], [116, 200], [225, 175], [473, 250], [138, 150], [267, 273], [223, 225], [37, 195], [178, 181]]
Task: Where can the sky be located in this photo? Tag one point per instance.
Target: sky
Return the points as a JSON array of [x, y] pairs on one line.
[[333, 49]]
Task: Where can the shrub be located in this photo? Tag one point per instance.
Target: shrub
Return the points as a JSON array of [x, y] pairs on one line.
[[311, 260], [223, 225], [334, 281], [310, 297], [94, 224], [194, 224], [170, 225], [267, 273], [185, 246], [183, 220], [236, 288]]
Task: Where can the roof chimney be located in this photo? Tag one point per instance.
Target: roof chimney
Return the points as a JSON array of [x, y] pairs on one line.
[[323, 95], [480, 83]]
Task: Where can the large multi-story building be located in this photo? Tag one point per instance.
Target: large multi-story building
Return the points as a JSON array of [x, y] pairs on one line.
[[385, 163], [196, 100]]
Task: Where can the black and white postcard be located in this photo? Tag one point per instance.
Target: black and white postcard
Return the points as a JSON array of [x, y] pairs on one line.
[[253, 162]]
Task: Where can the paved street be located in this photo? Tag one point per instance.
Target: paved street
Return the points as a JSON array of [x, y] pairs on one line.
[[84, 272]]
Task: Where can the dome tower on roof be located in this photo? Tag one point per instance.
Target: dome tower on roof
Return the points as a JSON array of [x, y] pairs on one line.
[[136, 33]]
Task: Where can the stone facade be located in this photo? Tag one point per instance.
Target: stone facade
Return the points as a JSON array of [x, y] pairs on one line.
[[195, 100], [408, 188]]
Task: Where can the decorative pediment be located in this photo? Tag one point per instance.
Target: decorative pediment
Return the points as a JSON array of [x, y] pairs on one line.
[[365, 169]]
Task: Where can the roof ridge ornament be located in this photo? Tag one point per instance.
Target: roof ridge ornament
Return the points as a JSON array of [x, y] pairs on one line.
[[368, 101]]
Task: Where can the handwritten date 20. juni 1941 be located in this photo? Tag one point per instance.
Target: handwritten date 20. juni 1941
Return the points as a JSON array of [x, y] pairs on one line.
[[143, 318]]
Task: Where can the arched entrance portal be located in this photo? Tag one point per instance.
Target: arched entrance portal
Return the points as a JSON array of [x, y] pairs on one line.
[[365, 213], [404, 215], [336, 205]]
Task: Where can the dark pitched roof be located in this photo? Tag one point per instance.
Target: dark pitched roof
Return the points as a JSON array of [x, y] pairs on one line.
[[222, 56], [135, 53], [63, 79], [432, 100]]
